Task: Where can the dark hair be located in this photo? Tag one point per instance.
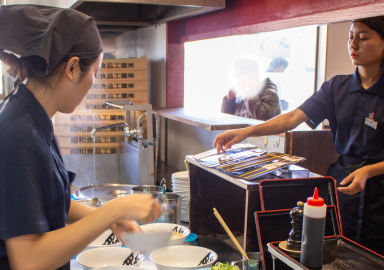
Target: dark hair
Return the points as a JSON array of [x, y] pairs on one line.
[[248, 64], [278, 62], [377, 25]]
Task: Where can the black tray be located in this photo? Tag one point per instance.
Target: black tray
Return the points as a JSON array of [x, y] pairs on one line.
[[340, 253], [285, 193], [275, 226]]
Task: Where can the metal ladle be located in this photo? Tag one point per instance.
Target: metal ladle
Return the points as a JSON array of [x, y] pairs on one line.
[[94, 202]]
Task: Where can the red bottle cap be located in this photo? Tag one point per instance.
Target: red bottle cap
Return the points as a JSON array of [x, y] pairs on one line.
[[315, 200]]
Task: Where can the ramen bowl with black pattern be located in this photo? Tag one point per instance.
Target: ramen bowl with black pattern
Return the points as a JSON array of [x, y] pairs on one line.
[[183, 258], [178, 236], [112, 256], [119, 268], [106, 239]]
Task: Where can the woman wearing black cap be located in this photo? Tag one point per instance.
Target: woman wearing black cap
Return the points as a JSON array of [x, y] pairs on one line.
[[354, 106], [60, 53]]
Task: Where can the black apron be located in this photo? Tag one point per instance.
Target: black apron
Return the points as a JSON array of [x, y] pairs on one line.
[[362, 214]]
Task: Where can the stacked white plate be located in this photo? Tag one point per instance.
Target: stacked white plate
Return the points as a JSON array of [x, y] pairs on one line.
[[180, 185]]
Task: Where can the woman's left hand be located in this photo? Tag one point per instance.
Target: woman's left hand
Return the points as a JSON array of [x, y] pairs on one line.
[[358, 178], [124, 225]]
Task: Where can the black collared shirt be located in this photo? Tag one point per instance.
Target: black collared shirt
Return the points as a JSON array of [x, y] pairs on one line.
[[34, 184], [345, 103]]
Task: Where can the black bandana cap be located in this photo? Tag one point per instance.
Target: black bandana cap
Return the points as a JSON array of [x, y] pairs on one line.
[[46, 35]]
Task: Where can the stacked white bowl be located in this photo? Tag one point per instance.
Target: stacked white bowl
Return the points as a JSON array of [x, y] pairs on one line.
[[180, 185]]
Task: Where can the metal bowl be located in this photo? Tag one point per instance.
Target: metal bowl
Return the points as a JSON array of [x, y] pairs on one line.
[[145, 189], [105, 192]]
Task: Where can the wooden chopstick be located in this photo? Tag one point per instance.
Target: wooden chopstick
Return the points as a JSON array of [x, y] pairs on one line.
[[276, 164], [263, 157], [240, 166], [229, 233], [242, 161], [253, 173]]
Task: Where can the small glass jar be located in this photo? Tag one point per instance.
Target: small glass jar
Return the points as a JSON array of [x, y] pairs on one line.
[[252, 263]]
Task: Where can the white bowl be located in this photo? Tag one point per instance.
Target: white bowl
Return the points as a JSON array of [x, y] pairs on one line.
[[183, 258], [169, 227], [177, 188], [111, 256], [183, 182], [181, 175], [147, 241], [106, 239], [118, 268], [179, 185]]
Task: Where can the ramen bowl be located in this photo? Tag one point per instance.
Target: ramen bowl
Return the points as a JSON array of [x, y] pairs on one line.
[[118, 268], [146, 241], [178, 236], [110, 256], [183, 258], [106, 239]]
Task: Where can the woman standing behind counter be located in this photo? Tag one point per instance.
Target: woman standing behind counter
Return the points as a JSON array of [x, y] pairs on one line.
[[61, 52], [354, 106]]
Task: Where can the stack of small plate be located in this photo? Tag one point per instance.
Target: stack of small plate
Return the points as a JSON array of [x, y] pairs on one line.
[[180, 184]]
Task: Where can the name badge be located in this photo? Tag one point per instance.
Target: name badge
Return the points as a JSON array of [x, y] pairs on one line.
[[371, 123]]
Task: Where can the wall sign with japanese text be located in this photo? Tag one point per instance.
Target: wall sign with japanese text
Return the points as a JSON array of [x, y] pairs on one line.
[[118, 80]]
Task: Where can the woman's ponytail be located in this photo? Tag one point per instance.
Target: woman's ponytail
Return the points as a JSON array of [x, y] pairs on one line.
[[16, 66]]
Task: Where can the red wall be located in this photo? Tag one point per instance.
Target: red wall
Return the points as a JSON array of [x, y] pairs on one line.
[[238, 13]]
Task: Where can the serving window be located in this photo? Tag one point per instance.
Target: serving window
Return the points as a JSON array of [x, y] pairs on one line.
[[209, 74]]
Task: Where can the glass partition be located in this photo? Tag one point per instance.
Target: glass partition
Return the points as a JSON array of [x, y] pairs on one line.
[[209, 72]]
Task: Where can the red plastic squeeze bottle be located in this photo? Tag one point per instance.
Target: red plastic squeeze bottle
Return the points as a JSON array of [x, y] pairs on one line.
[[312, 239]]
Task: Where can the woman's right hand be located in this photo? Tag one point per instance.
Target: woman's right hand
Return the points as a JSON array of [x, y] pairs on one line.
[[141, 207], [225, 140]]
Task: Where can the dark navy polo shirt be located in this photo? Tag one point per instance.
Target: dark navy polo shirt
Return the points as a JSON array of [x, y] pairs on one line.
[[34, 184], [345, 103]]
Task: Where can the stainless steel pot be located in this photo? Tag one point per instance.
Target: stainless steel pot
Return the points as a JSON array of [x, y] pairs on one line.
[[145, 189], [172, 213], [105, 192]]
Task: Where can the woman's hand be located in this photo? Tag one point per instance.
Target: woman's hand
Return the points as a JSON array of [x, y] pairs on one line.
[[141, 207], [124, 225], [225, 140], [277, 125], [358, 178]]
